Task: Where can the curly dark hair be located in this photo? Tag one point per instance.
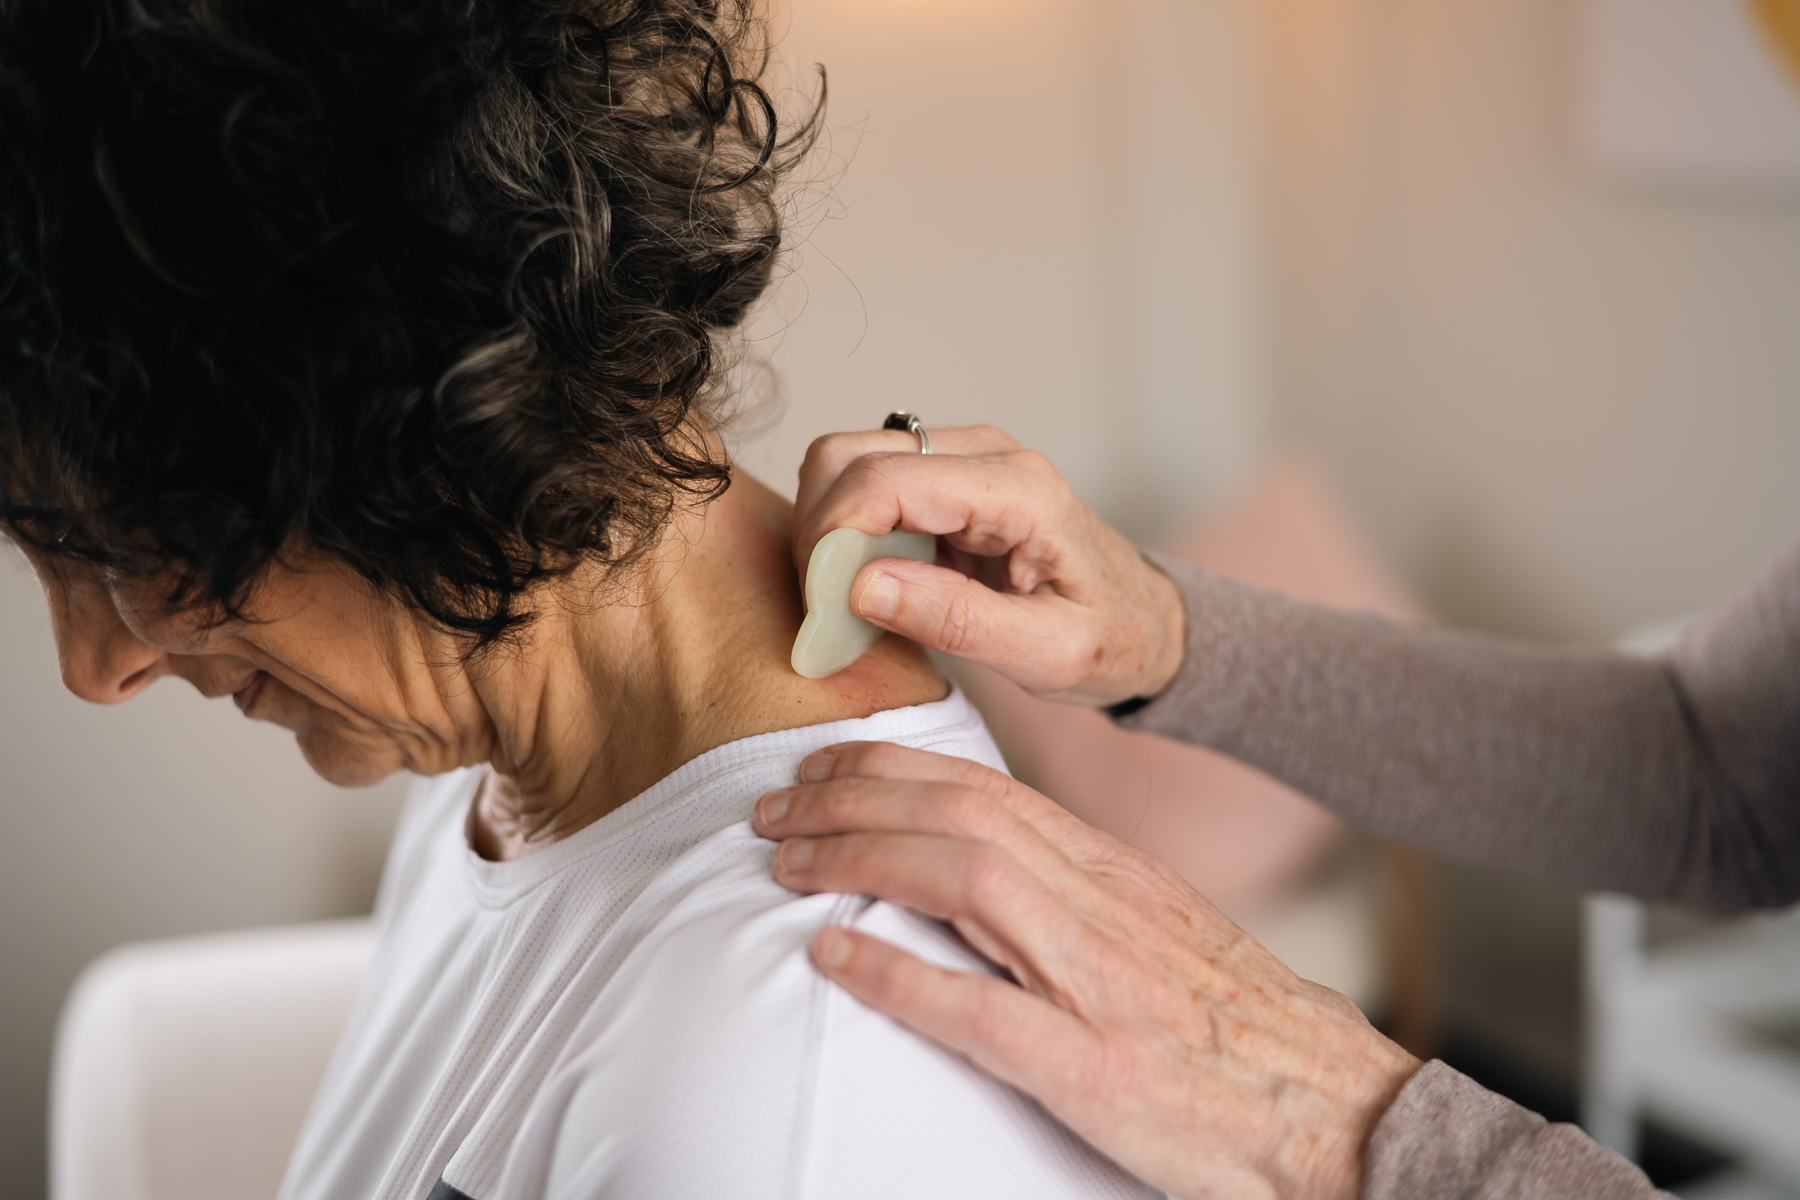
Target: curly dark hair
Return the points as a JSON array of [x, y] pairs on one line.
[[435, 287]]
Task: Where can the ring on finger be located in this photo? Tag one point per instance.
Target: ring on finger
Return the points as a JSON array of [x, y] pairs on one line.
[[907, 422]]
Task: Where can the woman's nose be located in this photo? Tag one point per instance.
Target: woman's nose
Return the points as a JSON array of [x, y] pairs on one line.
[[102, 660]]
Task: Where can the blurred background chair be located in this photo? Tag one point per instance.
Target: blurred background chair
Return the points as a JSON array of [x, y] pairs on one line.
[[1697, 1024], [185, 1066]]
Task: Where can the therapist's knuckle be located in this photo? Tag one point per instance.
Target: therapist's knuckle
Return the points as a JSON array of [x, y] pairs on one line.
[[989, 1017], [831, 447], [824, 457], [991, 438], [980, 777], [865, 798], [1036, 475], [835, 804], [970, 813], [880, 760], [845, 474], [835, 859], [961, 626], [1057, 667], [869, 480], [987, 876], [877, 465], [847, 758]]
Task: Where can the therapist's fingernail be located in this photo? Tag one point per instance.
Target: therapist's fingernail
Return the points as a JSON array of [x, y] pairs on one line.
[[815, 768], [774, 806], [796, 854], [831, 949], [879, 598]]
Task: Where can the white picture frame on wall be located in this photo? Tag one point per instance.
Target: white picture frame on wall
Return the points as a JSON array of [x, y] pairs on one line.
[[1697, 96]]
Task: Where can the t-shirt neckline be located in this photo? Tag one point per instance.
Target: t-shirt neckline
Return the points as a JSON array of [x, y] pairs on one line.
[[497, 884]]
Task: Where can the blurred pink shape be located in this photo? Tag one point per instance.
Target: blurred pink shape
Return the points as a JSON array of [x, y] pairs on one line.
[[1233, 832]]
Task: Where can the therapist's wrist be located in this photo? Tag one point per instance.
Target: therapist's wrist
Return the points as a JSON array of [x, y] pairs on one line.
[[1385, 1079], [1165, 637], [1327, 1155], [1172, 648]]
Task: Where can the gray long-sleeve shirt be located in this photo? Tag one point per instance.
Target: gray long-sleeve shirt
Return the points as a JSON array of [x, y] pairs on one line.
[[1671, 778]]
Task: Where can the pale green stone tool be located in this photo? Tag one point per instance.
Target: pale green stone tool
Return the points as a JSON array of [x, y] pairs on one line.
[[832, 636]]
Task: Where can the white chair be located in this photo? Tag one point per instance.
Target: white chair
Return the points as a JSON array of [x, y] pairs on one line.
[[1671, 1027], [184, 1067], [1672, 1034]]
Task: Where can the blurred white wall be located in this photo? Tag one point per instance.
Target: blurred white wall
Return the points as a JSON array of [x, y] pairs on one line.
[[1040, 215], [1562, 405]]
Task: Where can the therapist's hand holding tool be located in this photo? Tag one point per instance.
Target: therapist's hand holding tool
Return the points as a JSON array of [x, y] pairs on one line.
[[1145, 1019], [1028, 581]]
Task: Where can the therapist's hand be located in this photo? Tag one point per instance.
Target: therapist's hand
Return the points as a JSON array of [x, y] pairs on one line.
[[1029, 581], [1142, 1017]]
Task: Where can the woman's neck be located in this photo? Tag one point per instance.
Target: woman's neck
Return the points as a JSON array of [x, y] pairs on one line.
[[610, 695]]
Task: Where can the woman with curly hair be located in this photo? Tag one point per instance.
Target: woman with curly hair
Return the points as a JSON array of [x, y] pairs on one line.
[[361, 361]]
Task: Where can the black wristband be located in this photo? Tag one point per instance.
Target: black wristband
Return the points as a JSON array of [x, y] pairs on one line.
[[1125, 708]]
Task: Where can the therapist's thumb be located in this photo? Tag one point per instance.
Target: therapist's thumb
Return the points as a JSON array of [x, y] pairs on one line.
[[946, 610]]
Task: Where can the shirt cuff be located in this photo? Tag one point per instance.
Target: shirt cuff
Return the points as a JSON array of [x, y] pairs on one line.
[[1447, 1136]]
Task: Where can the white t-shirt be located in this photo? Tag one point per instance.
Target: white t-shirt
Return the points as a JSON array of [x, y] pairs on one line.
[[630, 1013]]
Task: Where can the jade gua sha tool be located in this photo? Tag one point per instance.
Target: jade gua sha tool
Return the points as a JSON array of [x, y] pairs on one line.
[[832, 636]]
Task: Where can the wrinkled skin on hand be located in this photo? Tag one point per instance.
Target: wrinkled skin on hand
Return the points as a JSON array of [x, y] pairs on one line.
[[1028, 580], [1141, 1016]]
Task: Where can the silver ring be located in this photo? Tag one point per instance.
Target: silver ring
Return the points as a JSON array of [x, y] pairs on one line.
[[908, 423]]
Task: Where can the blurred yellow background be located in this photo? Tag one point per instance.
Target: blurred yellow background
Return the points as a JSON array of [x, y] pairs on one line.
[[1782, 18]]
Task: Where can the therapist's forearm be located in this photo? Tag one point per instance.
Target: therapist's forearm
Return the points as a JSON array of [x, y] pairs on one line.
[[1676, 778], [1445, 1135]]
